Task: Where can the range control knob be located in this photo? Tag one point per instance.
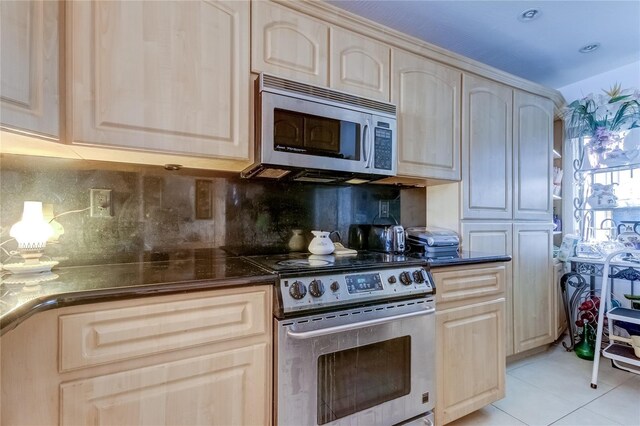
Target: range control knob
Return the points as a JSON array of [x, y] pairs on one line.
[[297, 290], [392, 279], [316, 288], [405, 278], [418, 276], [335, 286]]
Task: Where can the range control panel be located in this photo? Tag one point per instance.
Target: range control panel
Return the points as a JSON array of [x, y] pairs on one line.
[[300, 293]]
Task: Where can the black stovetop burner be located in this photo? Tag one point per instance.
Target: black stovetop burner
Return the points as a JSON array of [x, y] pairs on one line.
[[298, 262]]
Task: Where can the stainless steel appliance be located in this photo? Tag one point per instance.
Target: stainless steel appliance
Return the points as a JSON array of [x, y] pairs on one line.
[[387, 238], [433, 242], [433, 236], [354, 339], [311, 133]]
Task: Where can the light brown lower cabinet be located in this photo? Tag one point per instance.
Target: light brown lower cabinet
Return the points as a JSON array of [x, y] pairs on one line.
[[204, 390], [198, 359], [560, 314], [470, 342], [533, 286]]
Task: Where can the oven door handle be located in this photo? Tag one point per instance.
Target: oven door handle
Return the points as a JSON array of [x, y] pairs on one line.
[[354, 326]]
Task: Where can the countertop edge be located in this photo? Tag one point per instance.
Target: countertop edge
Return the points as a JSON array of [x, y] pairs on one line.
[[11, 320], [469, 261]]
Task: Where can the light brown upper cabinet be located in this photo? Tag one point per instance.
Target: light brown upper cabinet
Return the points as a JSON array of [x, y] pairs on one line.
[[295, 46], [168, 77], [533, 155], [359, 65], [288, 44], [428, 98], [29, 50], [486, 149]]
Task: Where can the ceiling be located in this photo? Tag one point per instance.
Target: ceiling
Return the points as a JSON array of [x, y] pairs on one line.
[[544, 50]]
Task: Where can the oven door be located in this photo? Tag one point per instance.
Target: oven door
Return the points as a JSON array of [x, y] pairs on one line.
[[373, 365]]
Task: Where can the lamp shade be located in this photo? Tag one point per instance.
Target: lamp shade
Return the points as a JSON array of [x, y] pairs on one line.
[[32, 232]]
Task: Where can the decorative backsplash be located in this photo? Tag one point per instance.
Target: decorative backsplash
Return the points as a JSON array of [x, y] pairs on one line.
[[159, 210]]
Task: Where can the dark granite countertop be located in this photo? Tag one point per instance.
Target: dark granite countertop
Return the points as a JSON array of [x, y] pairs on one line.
[[87, 284], [158, 273], [465, 257]]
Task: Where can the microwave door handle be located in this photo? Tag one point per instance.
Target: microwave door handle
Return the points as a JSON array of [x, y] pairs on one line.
[[365, 143], [370, 149], [357, 325]]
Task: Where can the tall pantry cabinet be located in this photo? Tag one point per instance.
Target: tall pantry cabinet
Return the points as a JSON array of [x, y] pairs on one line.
[[504, 202]]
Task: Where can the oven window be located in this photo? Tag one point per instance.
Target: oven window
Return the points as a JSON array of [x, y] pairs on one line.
[[359, 378], [312, 135]]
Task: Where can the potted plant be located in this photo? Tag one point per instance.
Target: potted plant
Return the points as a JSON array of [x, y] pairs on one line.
[[603, 121]]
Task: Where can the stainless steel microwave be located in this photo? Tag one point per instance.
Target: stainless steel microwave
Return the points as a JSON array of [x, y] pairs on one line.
[[315, 134]]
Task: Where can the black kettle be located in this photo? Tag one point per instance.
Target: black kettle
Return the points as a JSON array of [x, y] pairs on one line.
[[358, 236]]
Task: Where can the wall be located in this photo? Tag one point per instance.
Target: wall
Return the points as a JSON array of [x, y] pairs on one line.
[[628, 76], [155, 209]]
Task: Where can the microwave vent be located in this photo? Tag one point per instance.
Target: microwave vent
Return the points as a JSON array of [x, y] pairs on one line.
[[272, 82]]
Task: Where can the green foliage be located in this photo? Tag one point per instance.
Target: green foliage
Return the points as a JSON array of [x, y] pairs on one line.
[[618, 110]]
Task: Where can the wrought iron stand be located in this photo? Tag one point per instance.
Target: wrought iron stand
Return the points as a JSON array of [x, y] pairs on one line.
[[584, 267]]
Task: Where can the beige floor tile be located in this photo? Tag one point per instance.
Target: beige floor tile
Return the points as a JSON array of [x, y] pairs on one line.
[[585, 417], [531, 359], [533, 405], [622, 404], [526, 361], [552, 387], [606, 373], [554, 377], [487, 416]]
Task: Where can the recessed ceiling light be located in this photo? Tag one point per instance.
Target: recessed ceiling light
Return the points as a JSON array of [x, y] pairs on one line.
[[529, 15], [588, 48]]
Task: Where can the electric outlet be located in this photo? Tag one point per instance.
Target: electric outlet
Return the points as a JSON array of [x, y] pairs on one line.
[[101, 205], [383, 209]]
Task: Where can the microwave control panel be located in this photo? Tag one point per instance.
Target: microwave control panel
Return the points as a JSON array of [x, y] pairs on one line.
[[383, 146]]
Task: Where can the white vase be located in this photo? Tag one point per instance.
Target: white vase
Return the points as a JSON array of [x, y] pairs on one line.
[[321, 243]]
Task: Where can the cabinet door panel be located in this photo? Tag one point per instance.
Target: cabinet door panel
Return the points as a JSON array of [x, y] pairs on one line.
[[497, 237], [532, 151], [359, 65], [288, 44], [115, 334], [471, 358], [486, 149], [29, 67], [468, 282], [161, 76], [533, 289], [427, 95], [215, 389]]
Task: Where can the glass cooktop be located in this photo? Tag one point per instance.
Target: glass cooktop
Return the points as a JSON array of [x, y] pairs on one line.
[[294, 262]]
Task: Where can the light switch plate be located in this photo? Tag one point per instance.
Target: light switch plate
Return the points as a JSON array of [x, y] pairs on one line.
[[383, 211], [204, 199]]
